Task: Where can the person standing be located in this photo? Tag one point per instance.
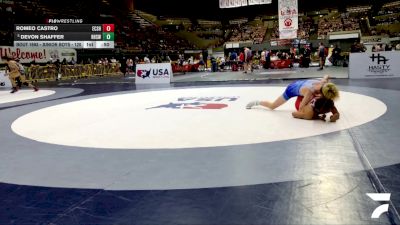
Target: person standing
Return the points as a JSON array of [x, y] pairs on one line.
[[241, 60], [262, 59], [13, 73], [15, 76], [233, 56], [248, 57], [321, 55], [306, 56], [336, 55], [146, 59], [267, 64], [205, 59]]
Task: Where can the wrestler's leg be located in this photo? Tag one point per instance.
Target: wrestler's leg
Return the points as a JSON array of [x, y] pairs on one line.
[[275, 104], [290, 92], [14, 84], [26, 83]]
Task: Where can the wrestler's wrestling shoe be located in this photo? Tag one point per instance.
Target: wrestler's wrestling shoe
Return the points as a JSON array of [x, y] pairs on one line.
[[252, 104], [35, 89]]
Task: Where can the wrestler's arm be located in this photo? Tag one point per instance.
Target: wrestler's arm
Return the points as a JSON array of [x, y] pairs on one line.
[[325, 79], [306, 113], [335, 114], [7, 70], [298, 115], [307, 97]]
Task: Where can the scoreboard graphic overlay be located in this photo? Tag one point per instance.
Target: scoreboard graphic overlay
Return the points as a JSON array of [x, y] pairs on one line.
[[64, 35]]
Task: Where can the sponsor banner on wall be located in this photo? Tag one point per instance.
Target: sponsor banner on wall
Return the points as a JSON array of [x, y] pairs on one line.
[[366, 39], [232, 3], [288, 18], [288, 14], [239, 3], [4, 80], [374, 65], [281, 42], [259, 2], [153, 73], [39, 55], [254, 2], [221, 4], [226, 4]]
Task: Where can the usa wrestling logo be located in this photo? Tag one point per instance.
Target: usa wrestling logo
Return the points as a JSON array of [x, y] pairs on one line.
[[197, 103], [143, 73], [191, 105]]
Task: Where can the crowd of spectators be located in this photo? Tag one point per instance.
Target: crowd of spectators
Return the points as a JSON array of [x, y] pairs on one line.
[[388, 15], [275, 31], [387, 20], [306, 28], [255, 34], [132, 35], [344, 23], [199, 28], [33, 12], [153, 38], [135, 37], [385, 47], [6, 30], [129, 34], [9, 13], [350, 23], [325, 26], [389, 10]]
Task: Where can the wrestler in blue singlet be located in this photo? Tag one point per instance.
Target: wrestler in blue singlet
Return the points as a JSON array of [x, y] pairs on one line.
[[293, 89]]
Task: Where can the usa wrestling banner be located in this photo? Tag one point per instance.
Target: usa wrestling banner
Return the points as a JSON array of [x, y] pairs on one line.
[[288, 19], [153, 73]]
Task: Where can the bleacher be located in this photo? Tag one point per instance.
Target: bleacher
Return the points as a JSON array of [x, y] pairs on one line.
[[248, 33], [141, 31]]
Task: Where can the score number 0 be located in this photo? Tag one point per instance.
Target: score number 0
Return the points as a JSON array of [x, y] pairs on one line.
[[108, 27]]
